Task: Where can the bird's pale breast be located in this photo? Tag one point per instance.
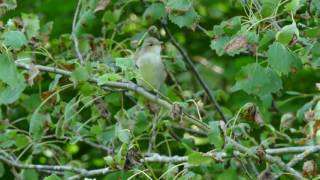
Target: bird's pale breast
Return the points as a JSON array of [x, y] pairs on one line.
[[151, 70]]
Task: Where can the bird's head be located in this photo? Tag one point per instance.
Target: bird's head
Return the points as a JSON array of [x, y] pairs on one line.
[[151, 44]]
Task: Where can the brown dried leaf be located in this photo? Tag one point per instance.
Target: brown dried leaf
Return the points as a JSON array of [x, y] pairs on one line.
[[309, 168], [236, 44], [102, 5], [251, 112]]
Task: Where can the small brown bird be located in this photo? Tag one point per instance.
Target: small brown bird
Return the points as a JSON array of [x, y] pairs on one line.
[[151, 68]]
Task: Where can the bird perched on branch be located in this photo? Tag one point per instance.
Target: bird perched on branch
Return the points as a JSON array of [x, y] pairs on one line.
[[151, 69]]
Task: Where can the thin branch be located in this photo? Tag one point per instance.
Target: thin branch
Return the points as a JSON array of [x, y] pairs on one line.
[[74, 34], [55, 168], [287, 150], [122, 85], [302, 156], [165, 159], [281, 164], [193, 69]]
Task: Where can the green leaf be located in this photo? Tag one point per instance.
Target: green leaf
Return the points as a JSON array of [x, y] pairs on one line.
[[196, 158], [107, 78], [181, 5], [52, 177], [219, 44], [258, 80], [267, 39], [315, 51], [85, 21], [31, 24], [14, 39], [229, 27], [8, 71], [293, 6], [281, 59], [21, 141], [155, 11], [80, 74], [312, 32], [123, 134], [269, 7], [15, 81], [36, 128], [10, 94], [214, 136], [187, 19], [125, 63], [229, 174], [287, 34], [30, 174], [70, 110]]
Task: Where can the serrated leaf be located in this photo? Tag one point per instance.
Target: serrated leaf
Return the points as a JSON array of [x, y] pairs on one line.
[[219, 44], [196, 158], [287, 34], [214, 136], [281, 59], [14, 39], [258, 80], [228, 27], [180, 5], [155, 11], [31, 24], [187, 19]]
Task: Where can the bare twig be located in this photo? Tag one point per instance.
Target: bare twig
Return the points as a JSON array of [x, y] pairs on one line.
[[74, 33], [302, 156], [287, 150], [193, 69], [54, 168]]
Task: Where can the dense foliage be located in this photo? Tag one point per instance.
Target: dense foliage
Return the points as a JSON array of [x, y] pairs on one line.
[[240, 100]]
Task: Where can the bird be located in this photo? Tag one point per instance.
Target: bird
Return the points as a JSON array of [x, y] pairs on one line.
[[151, 70]]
